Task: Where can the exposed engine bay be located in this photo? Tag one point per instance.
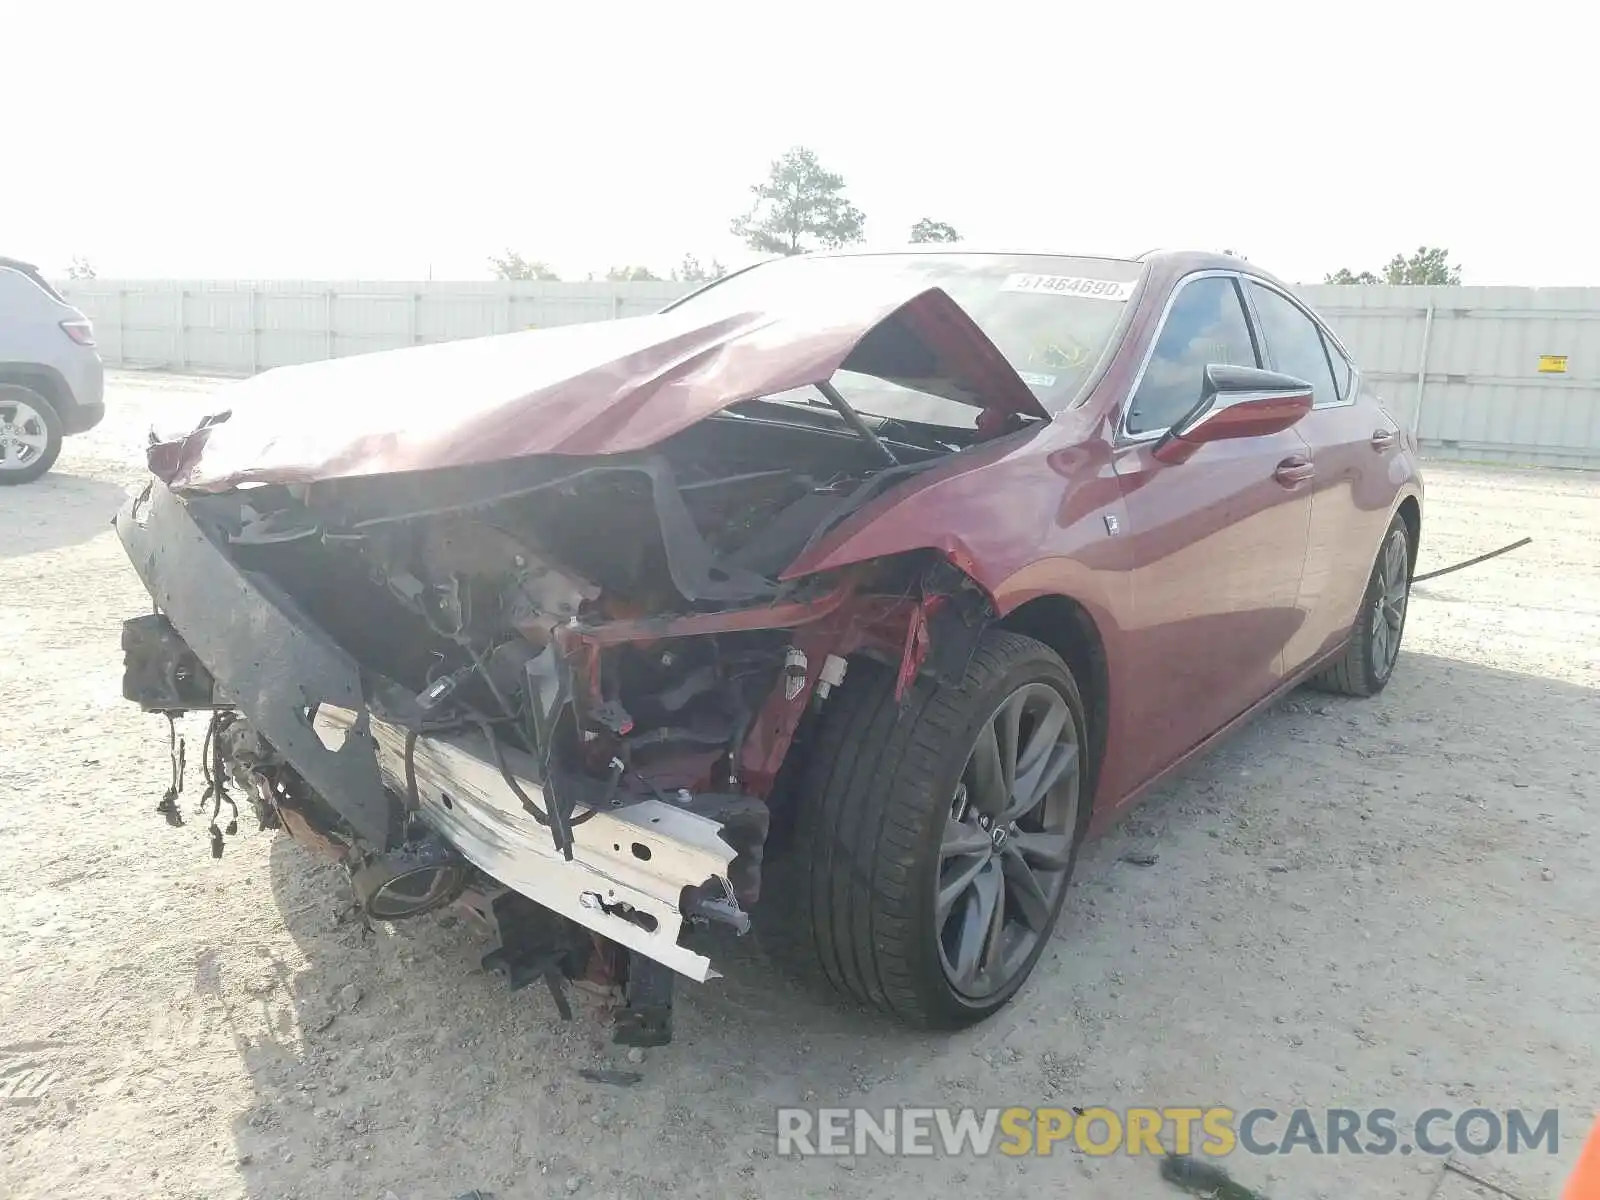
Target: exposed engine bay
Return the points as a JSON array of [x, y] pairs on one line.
[[580, 683]]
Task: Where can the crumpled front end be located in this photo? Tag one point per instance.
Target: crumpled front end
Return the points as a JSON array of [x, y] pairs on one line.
[[571, 681]]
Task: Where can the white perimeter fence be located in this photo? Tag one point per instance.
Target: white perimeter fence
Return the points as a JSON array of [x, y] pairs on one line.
[[1493, 374]]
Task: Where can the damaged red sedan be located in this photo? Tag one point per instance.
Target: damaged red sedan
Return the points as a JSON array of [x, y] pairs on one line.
[[845, 597]]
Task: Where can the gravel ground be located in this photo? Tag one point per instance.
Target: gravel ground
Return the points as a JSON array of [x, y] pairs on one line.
[[1359, 903]]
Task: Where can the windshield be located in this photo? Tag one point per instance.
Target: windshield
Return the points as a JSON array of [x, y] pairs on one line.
[[1050, 316]]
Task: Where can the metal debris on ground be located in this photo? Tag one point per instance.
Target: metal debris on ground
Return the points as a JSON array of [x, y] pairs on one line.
[[1204, 1179], [1472, 562], [1451, 1167], [607, 1075]]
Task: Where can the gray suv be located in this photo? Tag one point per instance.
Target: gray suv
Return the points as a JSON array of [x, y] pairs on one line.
[[52, 382]]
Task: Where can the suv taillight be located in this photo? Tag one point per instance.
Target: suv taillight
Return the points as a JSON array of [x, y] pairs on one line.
[[81, 332]]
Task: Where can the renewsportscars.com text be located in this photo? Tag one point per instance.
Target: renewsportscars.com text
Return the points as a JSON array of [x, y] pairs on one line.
[[1213, 1131]]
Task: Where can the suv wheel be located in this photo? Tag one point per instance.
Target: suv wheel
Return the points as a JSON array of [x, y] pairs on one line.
[[30, 434]]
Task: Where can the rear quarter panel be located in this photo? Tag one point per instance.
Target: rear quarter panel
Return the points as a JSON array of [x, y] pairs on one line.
[[35, 350], [1356, 493]]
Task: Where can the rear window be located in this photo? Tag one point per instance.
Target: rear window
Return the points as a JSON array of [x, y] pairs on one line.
[[1050, 316], [31, 273]]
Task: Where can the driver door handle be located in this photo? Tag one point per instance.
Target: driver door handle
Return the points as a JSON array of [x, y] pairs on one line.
[[1294, 470], [1382, 439]]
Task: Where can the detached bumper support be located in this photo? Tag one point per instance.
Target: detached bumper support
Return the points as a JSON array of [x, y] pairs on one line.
[[647, 1018], [536, 944]]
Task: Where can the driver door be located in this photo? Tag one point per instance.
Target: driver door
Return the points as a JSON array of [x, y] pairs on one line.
[[1215, 545]]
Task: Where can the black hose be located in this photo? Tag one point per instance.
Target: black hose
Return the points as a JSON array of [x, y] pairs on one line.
[[494, 688], [559, 820], [528, 803], [413, 801], [1472, 562]]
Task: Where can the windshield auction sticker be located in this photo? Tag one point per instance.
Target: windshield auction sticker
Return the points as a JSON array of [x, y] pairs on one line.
[[1068, 285]]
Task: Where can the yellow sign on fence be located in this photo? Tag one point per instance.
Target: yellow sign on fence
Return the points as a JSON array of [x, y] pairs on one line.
[[1552, 364]]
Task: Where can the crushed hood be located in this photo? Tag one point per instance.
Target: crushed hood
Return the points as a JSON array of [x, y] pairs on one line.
[[608, 387]]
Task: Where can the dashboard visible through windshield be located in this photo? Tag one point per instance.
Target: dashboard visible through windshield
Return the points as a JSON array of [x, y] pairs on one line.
[[1050, 316]]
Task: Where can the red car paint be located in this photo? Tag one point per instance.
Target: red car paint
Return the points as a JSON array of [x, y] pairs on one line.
[[1222, 588], [602, 388], [1254, 418], [1212, 584]]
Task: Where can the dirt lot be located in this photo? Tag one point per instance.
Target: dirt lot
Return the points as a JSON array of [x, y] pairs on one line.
[[1380, 903]]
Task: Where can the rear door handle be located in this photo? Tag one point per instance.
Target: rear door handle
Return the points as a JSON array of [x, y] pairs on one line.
[[1295, 469], [1382, 439]]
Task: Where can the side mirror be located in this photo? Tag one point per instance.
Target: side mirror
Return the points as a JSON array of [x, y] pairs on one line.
[[1236, 402]]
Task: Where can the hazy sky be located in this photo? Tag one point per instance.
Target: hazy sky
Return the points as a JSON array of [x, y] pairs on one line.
[[344, 139]]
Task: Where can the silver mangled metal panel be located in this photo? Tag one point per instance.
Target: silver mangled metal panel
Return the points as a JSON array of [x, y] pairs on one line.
[[628, 868]]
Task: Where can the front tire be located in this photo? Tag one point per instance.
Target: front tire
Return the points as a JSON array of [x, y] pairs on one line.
[[935, 840], [1374, 646], [30, 434]]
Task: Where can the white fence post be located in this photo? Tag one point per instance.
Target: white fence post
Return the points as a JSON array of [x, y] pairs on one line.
[[1422, 371], [255, 329]]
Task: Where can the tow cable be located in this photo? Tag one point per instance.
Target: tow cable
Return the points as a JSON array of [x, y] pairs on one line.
[[1472, 562]]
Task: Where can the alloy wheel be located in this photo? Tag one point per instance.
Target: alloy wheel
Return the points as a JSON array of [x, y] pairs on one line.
[[1388, 614], [23, 435], [1008, 841]]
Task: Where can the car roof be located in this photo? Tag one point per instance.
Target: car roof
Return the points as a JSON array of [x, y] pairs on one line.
[[1178, 261], [956, 248]]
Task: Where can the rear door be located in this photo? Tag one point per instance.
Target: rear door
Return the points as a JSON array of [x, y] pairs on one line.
[[1353, 443], [1214, 545]]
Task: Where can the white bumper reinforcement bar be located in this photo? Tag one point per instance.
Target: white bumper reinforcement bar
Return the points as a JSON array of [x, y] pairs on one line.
[[629, 867]]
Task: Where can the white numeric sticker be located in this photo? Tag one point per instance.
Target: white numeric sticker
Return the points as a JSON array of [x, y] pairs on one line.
[[1068, 285]]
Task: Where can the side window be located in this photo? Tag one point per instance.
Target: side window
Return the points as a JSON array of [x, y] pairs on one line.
[[1205, 325], [1295, 344], [1341, 369]]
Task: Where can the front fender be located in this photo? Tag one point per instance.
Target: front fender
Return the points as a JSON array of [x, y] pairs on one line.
[[1020, 519]]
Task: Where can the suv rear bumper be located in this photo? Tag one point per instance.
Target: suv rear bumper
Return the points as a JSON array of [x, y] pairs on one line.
[[83, 417], [85, 380]]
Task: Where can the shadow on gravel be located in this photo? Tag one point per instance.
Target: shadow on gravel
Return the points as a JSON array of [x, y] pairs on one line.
[[54, 512], [401, 1066], [404, 1039]]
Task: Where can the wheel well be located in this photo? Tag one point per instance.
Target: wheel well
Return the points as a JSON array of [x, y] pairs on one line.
[[1067, 628], [41, 380], [1411, 514]]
